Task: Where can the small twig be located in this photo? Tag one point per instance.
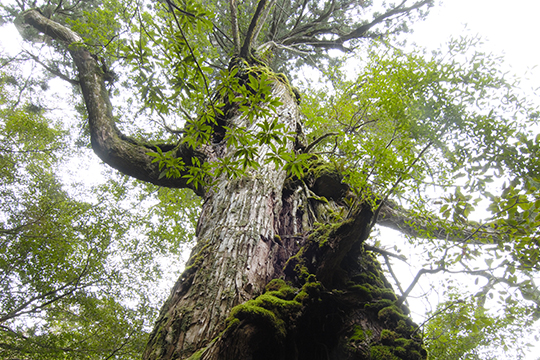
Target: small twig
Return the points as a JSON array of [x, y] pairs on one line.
[[385, 252], [398, 181], [172, 7], [435, 314], [317, 141], [413, 284], [53, 71], [389, 266]]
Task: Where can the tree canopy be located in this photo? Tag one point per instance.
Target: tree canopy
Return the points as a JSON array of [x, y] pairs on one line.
[[443, 146]]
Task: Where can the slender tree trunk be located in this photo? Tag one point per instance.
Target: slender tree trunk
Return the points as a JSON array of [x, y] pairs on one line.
[[332, 301]]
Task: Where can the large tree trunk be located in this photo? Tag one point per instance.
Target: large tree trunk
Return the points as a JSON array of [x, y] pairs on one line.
[[332, 301], [236, 253], [279, 270]]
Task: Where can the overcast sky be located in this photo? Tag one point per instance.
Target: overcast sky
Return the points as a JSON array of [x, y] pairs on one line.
[[510, 28]]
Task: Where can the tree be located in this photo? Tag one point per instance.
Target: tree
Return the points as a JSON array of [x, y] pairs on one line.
[[67, 288], [281, 268]]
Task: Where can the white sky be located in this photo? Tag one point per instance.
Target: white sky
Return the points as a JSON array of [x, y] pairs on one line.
[[510, 28]]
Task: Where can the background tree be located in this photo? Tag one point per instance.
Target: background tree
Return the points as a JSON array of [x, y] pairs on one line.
[[68, 250], [281, 268]]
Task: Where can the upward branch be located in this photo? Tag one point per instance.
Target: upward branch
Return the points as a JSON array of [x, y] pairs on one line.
[[406, 222], [323, 33], [362, 30], [233, 8], [117, 150], [248, 41]]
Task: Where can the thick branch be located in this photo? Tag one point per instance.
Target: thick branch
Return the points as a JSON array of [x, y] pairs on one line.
[[120, 152], [234, 25], [397, 218], [262, 20]]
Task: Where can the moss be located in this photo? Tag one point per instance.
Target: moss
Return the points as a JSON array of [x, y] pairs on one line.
[[275, 285], [310, 291], [197, 355], [369, 292], [196, 260], [313, 288], [301, 297], [257, 314], [321, 199], [327, 180], [363, 292], [232, 323], [186, 320], [278, 240], [378, 305], [401, 352], [405, 309], [358, 335], [273, 309], [388, 337], [399, 344], [285, 293], [324, 232], [388, 294], [381, 352], [391, 314], [405, 327]]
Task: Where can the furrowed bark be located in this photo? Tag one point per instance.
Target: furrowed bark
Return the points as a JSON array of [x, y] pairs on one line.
[[236, 253], [118, 151]]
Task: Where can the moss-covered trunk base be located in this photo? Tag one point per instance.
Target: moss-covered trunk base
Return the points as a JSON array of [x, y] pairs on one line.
[[346, 313]]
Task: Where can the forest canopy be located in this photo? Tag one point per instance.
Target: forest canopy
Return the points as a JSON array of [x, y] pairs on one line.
[[443, 146]]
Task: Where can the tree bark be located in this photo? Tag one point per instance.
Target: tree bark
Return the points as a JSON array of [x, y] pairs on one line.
[[331, 299], [236, 253]]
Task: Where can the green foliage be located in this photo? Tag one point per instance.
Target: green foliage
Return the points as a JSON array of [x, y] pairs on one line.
[[462, 329], [67, 285], [403, 103], [445, 136], [254, 101], [169, 165]]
